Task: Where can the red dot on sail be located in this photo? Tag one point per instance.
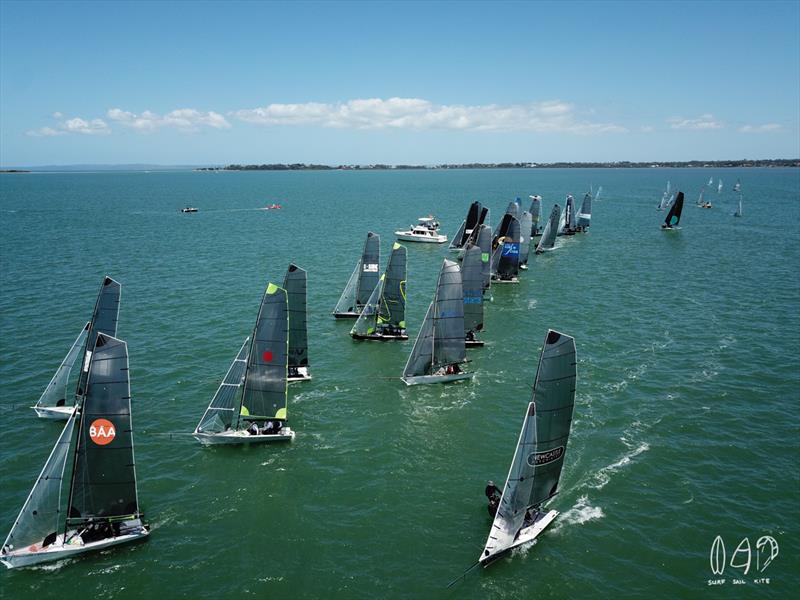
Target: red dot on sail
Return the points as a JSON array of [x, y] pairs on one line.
[[267, 356]]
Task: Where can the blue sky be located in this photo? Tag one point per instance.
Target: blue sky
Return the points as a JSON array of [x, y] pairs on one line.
[[411, 82]]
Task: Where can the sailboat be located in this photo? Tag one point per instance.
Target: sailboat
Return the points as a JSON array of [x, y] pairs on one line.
[[295, 284], [439, 350], [548, 239], [703, 203], [506, 251], [666, 198], [362, 281], [102, 508], [536, 213], [472, 284], [674, 214], [539, 456], [738, 186], [597, 195], [567, 224], [739, 212], [384, 315], [585, 215], [719, 186], [53, 402], [249, 406], [475, 216]]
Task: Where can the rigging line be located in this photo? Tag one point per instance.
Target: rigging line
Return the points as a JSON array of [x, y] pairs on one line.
[[463, 575]]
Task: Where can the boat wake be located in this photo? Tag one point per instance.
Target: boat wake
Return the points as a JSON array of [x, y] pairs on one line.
[[603, 476], [581, 513]]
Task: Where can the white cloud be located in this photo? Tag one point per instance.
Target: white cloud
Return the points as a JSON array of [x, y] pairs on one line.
[[187, 120], [419, 114], [647, 129], [702, 122], [45, 132], [766, 128], [74, 125]]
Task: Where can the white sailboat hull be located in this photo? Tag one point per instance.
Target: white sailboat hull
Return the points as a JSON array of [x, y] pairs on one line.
[[512, 280], [33, 555], [59, 413], [525, 535], [233, 437], [347, 315], [423, 379]]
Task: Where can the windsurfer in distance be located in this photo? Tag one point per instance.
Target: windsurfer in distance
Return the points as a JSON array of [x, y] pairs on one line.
[[494, 494]]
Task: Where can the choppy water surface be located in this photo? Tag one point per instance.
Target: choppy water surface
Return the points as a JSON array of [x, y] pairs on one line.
[[686, 418]]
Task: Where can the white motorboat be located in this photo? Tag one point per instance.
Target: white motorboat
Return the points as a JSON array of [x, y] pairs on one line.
[[426, 231]]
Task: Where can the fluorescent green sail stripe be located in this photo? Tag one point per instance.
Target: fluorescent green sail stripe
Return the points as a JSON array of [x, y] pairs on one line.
[[244, 412], [396, 246], [272, 288], [281, 414]]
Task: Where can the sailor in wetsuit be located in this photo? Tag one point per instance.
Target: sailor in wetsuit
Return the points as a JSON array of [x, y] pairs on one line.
[[494, 494]]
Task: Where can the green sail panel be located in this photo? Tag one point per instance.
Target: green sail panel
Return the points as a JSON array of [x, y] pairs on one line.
[[41, 515], [55, 394], [221, 412], [392, 306], [472, 283], [264, 392], [295, 283], [485, 244], [104, 476], [104, 320], [370, 268], [448, 318]]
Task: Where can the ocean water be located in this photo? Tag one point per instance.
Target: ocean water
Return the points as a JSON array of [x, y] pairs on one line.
[[686, 421]]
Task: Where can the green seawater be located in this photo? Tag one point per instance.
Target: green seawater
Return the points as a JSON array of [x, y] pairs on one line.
[[686, 421]]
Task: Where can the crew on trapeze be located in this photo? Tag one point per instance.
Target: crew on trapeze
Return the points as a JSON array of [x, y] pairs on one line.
[[494, 494]]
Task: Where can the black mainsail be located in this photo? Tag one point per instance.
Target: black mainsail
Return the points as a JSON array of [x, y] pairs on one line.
[[674, 214], [295, 284], [104, 320]]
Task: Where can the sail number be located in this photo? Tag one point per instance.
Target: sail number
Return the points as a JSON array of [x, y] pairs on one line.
[[102, 432]]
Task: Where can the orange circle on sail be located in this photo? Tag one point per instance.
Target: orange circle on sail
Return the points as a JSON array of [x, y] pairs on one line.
[[102, 431]]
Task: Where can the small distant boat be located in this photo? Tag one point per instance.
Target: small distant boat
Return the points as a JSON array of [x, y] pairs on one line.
[[472, 285], [703, 203], [53, 402], [475, 217], [535, 470], [384, 315], [189, 209], [250, 404], [505, 251], [548, 239], [666, 199], [362, 281], [738, 186], [102, 507], [295, 284], [272, 207], [710, 181], [597, 195], [674, 214], [426, 231], [585, 215], [719, 187], [439, 350], [536, 212], [739, 212]]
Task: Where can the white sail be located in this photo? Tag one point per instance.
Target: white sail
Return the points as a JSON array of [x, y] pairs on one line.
[[55, 394], [347, 301], [221, 410], [40, 517]]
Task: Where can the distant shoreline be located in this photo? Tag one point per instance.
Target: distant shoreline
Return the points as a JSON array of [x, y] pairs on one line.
[[719, 164]]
